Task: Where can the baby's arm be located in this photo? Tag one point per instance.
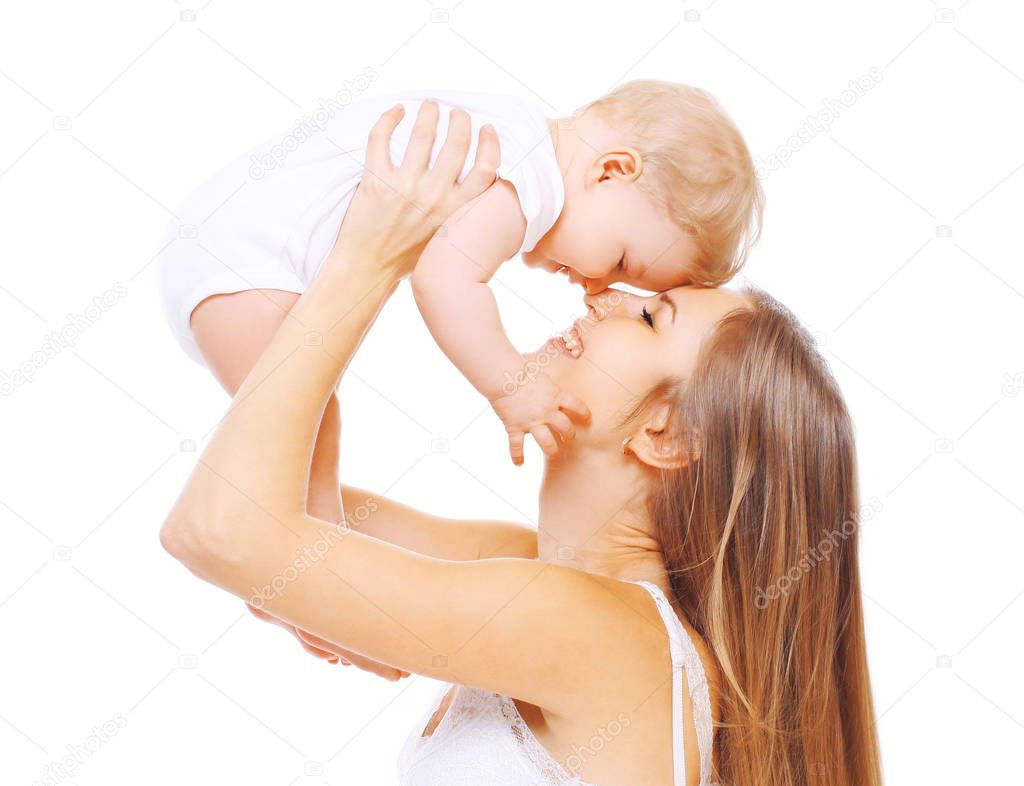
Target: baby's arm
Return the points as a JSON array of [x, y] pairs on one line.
[[450, 286]]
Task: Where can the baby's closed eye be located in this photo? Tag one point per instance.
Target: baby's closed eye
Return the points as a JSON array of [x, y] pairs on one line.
[[655, 277]]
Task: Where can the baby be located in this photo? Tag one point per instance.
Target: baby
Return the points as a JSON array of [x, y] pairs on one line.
[[651, 185]]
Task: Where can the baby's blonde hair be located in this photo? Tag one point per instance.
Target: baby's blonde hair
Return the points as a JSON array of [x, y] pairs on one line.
[[696, 164]]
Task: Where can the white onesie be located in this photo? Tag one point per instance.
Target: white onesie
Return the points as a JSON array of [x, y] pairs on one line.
[[270, 218]]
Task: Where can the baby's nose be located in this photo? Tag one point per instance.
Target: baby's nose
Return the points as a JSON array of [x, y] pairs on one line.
[[595, 285], [601, 304], [575, 277]]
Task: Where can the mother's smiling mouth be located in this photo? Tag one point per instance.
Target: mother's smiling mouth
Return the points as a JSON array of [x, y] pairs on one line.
[[570, 341]]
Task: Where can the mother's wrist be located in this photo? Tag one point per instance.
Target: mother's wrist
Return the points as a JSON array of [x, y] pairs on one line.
[[358, 260], [346, 296]]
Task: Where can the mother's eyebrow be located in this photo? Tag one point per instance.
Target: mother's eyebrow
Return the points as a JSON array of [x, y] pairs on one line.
[[666, 299]]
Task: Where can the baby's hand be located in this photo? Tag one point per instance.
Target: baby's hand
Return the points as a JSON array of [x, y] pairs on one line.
[[539, 407]]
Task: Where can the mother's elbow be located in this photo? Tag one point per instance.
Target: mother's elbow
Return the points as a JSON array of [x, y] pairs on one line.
[[196, 540], [179, 539]]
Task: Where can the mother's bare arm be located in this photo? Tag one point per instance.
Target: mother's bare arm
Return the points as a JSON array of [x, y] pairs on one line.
[[435, 536], [540, 632]]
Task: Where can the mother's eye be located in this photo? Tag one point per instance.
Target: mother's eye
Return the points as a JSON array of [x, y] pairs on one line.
[[648, 317]]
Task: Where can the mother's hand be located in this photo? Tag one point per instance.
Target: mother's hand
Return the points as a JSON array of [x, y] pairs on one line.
[[329, 651], [396, 210]]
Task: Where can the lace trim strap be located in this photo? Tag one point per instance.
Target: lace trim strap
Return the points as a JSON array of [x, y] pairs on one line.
[[685, 659]]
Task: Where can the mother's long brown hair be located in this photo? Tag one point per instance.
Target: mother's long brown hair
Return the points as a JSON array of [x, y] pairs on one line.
[[759, 533]]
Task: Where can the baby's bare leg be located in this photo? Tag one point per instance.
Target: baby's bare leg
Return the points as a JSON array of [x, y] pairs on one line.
[[232, 331]]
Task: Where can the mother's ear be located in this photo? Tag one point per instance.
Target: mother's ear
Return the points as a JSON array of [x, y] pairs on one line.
[[660, 445]]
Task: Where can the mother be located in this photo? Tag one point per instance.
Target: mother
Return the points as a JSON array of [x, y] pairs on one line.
[[693, 581]]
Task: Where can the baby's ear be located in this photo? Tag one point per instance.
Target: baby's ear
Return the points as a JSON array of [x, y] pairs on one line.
[[624, 164]]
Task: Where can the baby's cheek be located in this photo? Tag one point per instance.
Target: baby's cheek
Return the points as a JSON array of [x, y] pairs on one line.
[[660, 280], [581, 246], [599, 261]]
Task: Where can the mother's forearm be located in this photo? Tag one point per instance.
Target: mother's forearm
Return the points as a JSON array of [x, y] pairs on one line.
[[260, 453]]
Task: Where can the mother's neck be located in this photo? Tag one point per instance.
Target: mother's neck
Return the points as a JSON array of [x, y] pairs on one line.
[[594, 518]]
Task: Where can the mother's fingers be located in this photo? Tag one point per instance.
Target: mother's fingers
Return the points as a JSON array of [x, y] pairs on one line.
[[485, 168], [309, 645], [452, 157], [389, 673], [260, 614], [421, 142], [316, 651], [315, 641], [378, 147]]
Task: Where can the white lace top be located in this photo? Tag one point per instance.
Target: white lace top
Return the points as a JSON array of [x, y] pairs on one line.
[[482, 738]]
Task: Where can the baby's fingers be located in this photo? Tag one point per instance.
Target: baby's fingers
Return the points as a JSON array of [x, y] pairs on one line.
[[515, 446], [545, 439], [574, 406], [562, 426]]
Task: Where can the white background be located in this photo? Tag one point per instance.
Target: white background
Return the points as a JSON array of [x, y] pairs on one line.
[[114, 110]]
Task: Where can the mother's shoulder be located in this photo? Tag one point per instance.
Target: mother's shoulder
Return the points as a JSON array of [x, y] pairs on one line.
[[626, 635], [635, 607]]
